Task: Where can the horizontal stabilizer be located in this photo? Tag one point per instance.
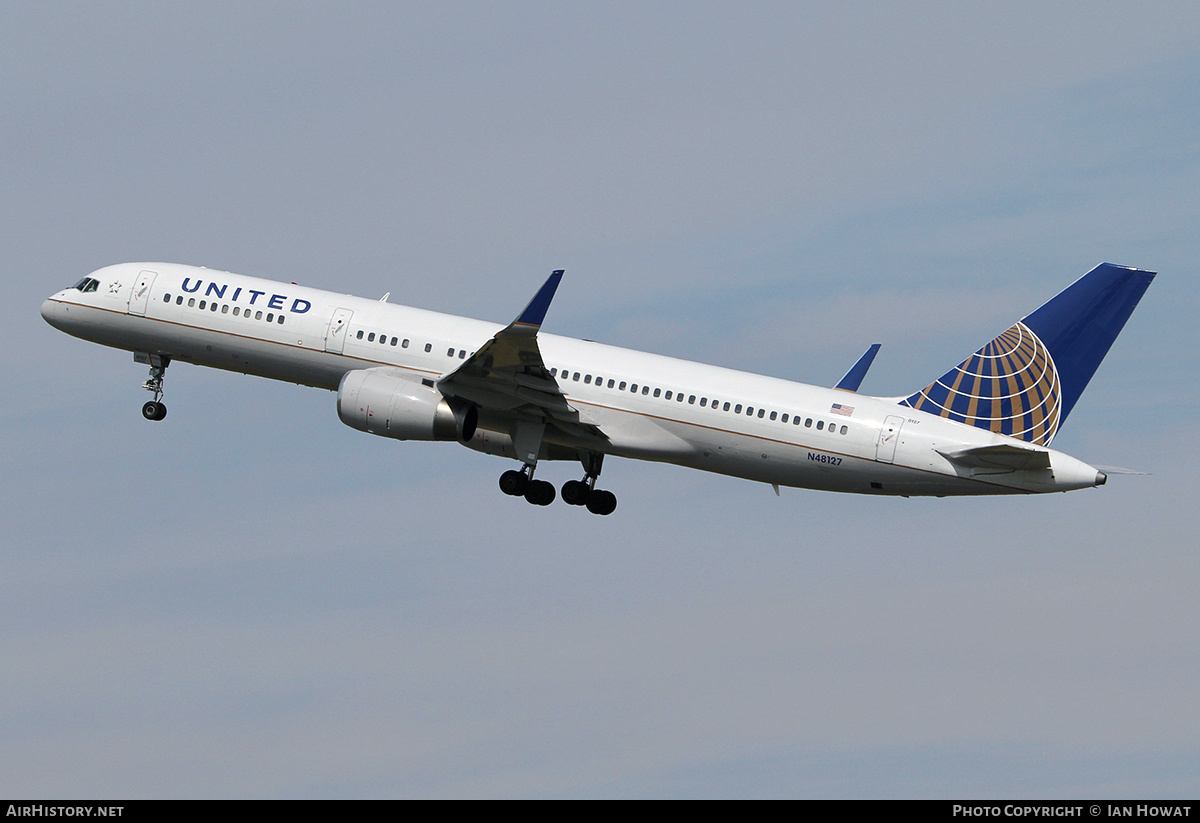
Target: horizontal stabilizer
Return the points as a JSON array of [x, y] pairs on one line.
[[1010, 458], [858, 371], [1119, 470]]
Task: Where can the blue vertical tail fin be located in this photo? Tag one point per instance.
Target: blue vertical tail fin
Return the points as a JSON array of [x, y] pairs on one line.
[[1026, 381]]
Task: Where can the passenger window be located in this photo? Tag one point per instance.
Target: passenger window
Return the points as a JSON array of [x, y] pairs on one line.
[[796, 421], [576, 377], [808, 423], [450, 352], [462, 354], [645, 389], [844, 430], [213, 307], [191, 302], [679, 397], [280, 320], [783, 419], [370, 337], [761, 412], [202, 305], [667, 395], [621, 387], [224, 309], [610, 382], [587, 378], [725, 407], [394, 342], [236, 311], [633, 387], [737, 409], [258, 315], [428, 347], [166, 298], [554, 372], [179, 300], [750, 411], [703, 402], [360, 334], [657, 392], [692, 399], [772, 415], [820, 425]]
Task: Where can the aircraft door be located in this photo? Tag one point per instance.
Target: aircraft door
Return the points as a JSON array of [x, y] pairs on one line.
[[140, 297], [335, 335], [889, 436]]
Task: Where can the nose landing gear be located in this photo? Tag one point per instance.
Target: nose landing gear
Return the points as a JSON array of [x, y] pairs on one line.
[[154, 409]]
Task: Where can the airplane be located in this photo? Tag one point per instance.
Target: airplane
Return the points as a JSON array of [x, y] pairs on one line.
[[984, 427]]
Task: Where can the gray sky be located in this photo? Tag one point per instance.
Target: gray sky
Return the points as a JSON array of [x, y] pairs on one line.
[[251, 599]]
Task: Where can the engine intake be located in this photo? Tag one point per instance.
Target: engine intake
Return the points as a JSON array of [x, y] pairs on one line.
[[390, 403]]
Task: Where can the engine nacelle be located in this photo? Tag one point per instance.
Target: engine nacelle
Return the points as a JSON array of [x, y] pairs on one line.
[[389, 403]]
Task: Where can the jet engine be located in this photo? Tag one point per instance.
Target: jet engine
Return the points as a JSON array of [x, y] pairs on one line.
[[390, 403]]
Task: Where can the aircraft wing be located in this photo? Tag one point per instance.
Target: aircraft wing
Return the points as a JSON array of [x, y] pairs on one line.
[[508, 376]]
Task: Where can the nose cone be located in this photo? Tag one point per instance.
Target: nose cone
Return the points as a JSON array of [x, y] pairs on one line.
[[50, 312]]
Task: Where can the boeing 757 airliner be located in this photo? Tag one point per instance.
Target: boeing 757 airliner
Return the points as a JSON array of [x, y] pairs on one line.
[[984, 427]]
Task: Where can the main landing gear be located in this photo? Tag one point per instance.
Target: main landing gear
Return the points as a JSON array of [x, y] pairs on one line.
[[574, 492], [584, 492], [521, 484], [154, 409]]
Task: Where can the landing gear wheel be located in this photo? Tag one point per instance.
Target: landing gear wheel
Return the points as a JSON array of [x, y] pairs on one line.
[[575, 493], [154, 410], [601, 502], [513, 483], [539, 493]]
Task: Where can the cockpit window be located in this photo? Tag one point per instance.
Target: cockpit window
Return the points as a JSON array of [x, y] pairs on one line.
[[87, 284]]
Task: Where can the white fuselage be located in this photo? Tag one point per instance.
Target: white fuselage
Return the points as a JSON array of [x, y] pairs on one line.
[[686, 413]]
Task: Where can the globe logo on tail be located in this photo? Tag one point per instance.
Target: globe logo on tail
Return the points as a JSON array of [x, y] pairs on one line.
[[1010, 386]]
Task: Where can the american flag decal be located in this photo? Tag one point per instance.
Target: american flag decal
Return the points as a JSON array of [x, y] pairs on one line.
[[845, 411]]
